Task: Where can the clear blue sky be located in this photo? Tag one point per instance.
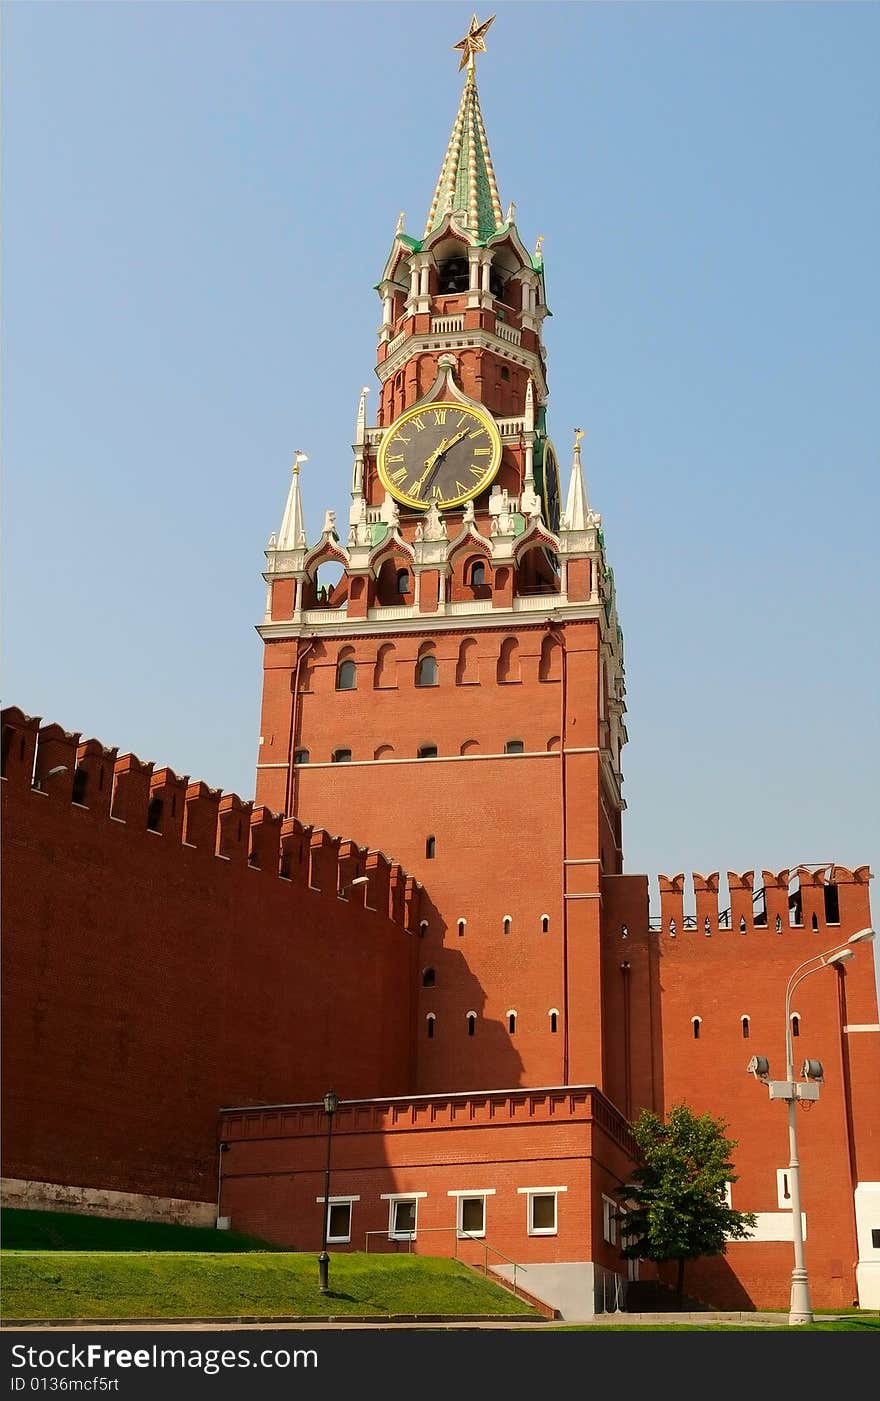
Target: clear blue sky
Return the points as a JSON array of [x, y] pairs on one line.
[[199, 199]]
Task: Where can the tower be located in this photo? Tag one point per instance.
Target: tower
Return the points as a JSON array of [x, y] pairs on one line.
[[454, 696]]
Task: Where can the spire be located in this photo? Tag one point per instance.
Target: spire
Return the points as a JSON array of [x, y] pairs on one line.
[[577, 507], [467, 179], [292, 535]]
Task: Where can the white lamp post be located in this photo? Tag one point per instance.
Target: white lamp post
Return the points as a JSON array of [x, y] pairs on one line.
[[800, 1309]]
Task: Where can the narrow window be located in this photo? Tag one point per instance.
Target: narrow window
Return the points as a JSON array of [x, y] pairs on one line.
[[403, 581], [814, 922], [423, 928], [430, 848], [554, 1023], [472, 1216], [795, 1024], [507, 923], [505, 372], [745, 1027], [508, 661], [301, 756], [429, 978], [80, 784], [778, 924], [514, 746], [427, 751], [542, 1213], [742, 924], [426, 671], [695, 1022], [478, 574], [341, 756], [346, 675], [430, 1020], [403, 1218], [609, 1220], [511, 1022], [339, 1228], [154, 815], [545, 925], [472, 1023], [462, 924], [832, 904]]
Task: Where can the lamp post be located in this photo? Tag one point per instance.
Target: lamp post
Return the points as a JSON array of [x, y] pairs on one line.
[[800, 1308], [331, 1104], [221, 1149]]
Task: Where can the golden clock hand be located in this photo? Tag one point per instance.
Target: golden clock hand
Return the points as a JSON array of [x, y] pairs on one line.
[[438, 451]]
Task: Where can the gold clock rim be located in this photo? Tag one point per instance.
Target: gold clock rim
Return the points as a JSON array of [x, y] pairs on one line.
[[481, 414]]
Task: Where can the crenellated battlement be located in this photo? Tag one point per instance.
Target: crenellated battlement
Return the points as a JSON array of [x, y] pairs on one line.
[[818, 898], [43, 762]]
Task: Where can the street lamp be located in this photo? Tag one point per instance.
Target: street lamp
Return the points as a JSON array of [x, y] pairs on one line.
[[800, 1308], [331, 1104]]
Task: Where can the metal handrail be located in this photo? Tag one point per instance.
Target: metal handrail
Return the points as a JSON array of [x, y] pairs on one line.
[[410, 1236]]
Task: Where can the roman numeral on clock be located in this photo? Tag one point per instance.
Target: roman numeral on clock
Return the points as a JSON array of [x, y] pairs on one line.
[[398, 476], [439, 415], [477, 471], [482, 452], [396, 457]]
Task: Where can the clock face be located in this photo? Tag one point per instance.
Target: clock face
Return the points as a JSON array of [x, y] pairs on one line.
[[441, 454], [551, 487]]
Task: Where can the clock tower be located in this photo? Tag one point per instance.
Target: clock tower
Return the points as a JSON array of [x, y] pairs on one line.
[[444, 672]]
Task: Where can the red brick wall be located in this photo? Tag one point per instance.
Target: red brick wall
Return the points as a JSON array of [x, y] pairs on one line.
[[146, 983], [720, 978], [497, 821], [275, 1170]]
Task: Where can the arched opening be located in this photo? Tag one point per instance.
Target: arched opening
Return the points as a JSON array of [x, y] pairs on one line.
[[467, 670], [545, 924], [429, 978], [508, 661], [795, 1024], [471, 1023], [346, 670], [511, 1022], [514, 746], [385, 674], [453, 275], [470, 746], [430, 1019], [426, 666], [427, 751], [341, 756], [384, 751], [462, 926], [328, 584], [745, 1028], [430, 848], [403, 581], [696, 1023], [550, 665], [554, 1021], [507, 924]]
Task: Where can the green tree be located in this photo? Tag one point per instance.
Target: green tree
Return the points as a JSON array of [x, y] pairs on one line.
[[675, 1207]]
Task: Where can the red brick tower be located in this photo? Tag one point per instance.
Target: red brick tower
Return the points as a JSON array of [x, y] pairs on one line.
[[455, 696]]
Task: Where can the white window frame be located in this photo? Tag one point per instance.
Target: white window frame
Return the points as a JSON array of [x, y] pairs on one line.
[[338, 1201], [483, 1192], [609, 1222], [530, 1193], [392, 1198]]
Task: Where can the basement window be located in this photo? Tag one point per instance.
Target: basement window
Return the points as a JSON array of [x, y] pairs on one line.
[[339, 1221], [427, 751], [341, 756], [541, 1209], [514, 746], [300, 756]]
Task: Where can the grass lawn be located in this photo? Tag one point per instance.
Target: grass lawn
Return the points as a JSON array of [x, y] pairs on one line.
[[67, 1230], [167, 1284]]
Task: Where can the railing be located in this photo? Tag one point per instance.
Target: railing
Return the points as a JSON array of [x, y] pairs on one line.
[[407, 1238], [510, 427], [442, 325], [398, 340], [508, 333], [315, 617]]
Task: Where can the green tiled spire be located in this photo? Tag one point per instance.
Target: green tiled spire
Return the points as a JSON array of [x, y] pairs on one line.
[[467, 179]]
